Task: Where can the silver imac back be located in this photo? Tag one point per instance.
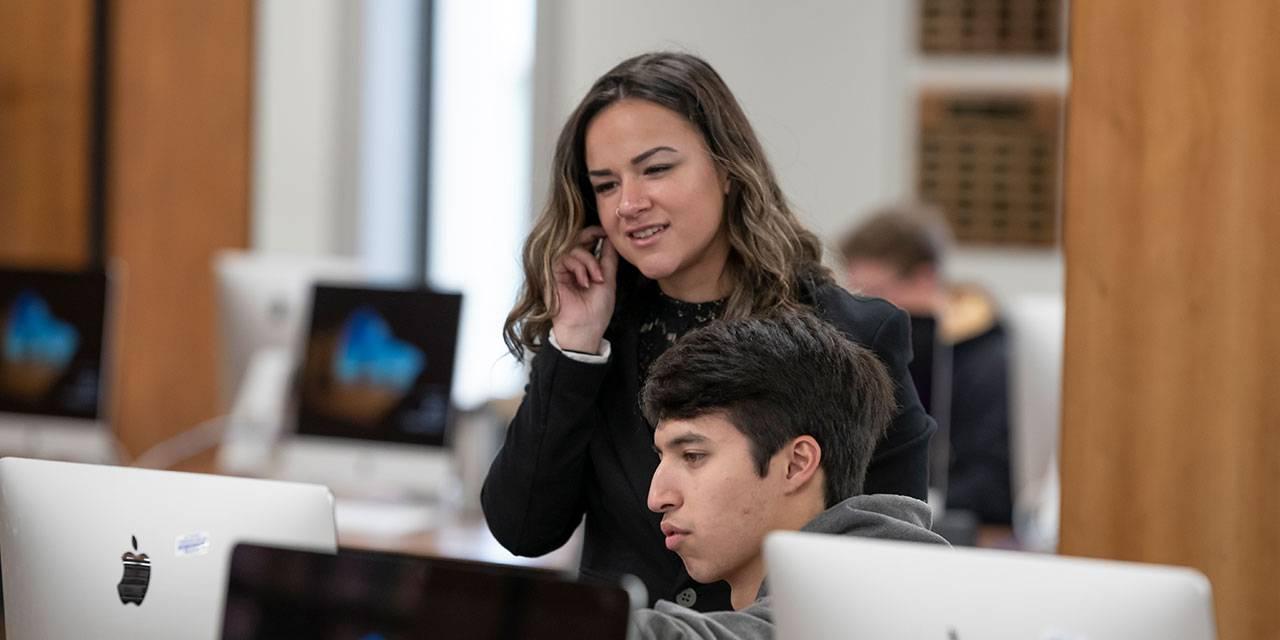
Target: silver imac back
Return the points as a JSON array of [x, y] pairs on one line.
[[826, 586], [116, 552]]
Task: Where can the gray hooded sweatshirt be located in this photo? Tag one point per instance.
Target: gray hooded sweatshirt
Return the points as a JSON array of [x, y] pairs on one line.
[[884, 517]]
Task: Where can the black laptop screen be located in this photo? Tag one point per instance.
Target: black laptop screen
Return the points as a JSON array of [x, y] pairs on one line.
[[364, 595]]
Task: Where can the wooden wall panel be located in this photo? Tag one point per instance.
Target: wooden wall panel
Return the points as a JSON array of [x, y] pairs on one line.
[[45, 120], [178, 187], [1171, 414]]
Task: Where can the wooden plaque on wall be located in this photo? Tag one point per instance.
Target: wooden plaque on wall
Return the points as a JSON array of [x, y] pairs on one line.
[[991, 161], [991, 26]]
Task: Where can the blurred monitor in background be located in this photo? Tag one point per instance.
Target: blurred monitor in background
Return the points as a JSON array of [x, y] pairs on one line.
[[379, 365], [1036, 326], [54, 365], [960, 366], [264, 301], [373, 397]]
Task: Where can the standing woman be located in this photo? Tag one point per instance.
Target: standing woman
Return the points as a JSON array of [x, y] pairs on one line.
[[664, 215]]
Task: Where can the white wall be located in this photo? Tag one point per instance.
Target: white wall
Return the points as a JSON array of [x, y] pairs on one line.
[[829, 86], [304, 121], [335, 143], [480, 178]]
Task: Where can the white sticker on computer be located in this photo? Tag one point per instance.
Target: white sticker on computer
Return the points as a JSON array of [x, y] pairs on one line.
[[192, 544]]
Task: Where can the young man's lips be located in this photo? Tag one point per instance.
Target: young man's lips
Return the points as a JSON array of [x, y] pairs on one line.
[[674, 535], [674, 539]]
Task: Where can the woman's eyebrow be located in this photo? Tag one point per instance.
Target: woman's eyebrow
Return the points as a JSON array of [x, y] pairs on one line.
[[604, 173], [645, 156]]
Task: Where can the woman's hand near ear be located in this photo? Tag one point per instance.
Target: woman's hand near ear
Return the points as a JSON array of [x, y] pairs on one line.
[[586, 289]]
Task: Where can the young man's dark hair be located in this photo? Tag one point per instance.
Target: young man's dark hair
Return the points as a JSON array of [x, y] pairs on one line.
[[776, 378], [763, 424]]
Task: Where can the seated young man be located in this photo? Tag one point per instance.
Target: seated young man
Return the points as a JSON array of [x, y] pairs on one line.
[[764, 424], [900, 253]]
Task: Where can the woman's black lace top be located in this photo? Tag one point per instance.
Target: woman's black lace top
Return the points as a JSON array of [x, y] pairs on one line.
[[664, 320]]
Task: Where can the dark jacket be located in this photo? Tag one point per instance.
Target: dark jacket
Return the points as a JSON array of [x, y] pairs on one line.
[[881, 517], [579, 445], [961, 371]]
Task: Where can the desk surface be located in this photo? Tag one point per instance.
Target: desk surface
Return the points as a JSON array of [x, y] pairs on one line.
[[461, 535], [450, 533]]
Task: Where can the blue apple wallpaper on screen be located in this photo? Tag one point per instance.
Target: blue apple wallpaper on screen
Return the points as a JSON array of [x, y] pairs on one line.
[[37, 347]]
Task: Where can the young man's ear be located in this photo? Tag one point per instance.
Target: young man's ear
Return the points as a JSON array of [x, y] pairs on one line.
[[804, 459]]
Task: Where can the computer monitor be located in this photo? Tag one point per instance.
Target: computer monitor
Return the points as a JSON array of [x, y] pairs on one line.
[[373, 394], [827, 586], [1036, 325], [54, 364], [119, 552], [363, 595], [264, 301]]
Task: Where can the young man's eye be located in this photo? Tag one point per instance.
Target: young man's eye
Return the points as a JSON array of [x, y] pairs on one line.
[[693, 457]]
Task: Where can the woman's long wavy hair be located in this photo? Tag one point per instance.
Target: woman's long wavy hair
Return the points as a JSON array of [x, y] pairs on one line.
[[770, 254]]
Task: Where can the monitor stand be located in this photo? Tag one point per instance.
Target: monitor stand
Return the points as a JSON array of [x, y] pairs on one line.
[[257, 414], [382, 489], [53, 438]]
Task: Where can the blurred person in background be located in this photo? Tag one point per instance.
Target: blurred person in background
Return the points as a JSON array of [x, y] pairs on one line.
[[961, 353]]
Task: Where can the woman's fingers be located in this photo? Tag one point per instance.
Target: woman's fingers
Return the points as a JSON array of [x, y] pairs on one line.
[[588, 260], [581, 261], [576, 270], [581, 266]]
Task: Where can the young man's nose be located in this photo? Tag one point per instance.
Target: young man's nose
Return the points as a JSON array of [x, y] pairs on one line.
[[662, 497]]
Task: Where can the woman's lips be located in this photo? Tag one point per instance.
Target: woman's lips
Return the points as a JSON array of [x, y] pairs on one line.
[[647, 235]]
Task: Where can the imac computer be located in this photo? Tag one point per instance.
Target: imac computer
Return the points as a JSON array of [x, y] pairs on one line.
[[372, 397], [54, 365], [264, 301], [830, 586], [1036, 324], [97, 551]]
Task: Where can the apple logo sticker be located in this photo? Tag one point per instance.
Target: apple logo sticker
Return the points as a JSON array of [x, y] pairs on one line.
[[137, 575]]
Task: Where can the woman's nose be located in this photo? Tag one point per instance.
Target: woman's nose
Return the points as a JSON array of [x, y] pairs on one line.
[[633, 200]]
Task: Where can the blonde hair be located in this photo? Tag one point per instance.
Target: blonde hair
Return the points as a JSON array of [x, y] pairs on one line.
[[771, 254]]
